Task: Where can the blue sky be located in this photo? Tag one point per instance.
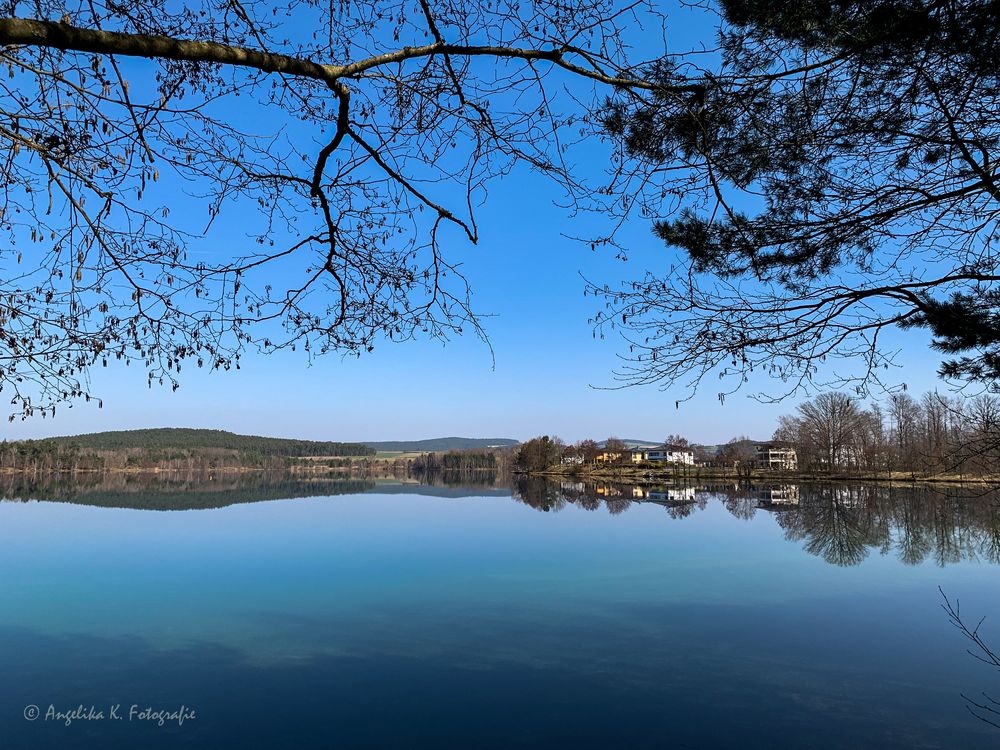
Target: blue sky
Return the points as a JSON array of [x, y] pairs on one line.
[[547, 377], [549, 370]]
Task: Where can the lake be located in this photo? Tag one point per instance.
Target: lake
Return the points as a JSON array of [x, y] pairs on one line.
[[364, 614]]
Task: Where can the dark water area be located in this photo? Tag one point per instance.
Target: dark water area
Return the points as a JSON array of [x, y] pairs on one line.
[[355, 612]]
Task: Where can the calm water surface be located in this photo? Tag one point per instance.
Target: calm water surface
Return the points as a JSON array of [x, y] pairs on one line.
[[543, 616]]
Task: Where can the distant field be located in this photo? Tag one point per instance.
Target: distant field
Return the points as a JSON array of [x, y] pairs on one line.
[[332, 457]]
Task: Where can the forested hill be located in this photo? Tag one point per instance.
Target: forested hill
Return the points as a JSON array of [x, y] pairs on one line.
[[442, 444], [173, 438]]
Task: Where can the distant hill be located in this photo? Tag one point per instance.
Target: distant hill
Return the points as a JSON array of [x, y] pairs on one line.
[[174, 438], [442, 444]]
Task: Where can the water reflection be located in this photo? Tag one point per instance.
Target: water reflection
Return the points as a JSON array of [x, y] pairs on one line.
[[175, 491], [636, 618], [198, 490], [842, 524]]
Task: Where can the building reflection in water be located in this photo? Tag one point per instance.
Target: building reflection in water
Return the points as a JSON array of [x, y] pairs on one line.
[[843, 524]]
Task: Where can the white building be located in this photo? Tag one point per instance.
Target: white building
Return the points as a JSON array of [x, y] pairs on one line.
[[671, 454], [778, 456]]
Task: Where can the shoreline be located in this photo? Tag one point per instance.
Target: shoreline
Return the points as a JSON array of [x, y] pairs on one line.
[[597, 473], [128, 470], [654, 475]]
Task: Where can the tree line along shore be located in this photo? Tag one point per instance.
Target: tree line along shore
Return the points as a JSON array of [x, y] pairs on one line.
[[179, 450], [654, 474], [933, 437], [167, 449]]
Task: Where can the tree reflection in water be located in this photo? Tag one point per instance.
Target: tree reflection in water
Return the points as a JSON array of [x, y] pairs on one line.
[[842, 524]]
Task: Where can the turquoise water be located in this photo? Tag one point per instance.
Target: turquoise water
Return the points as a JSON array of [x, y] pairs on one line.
[[538, 617]]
